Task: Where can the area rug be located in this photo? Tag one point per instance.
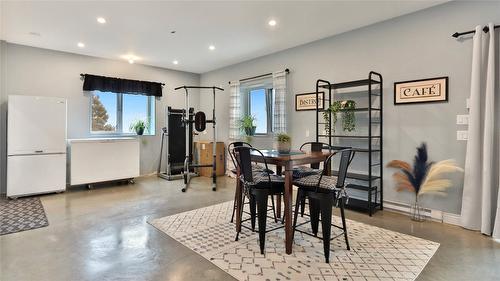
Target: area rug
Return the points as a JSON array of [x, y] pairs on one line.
[[21, 214], [376, 253]]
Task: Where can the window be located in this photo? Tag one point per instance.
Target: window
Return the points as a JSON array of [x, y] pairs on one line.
[[113, 113], [260, 105]]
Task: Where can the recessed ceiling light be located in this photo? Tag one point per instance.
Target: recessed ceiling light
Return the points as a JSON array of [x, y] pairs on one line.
[[175, 62], [272, 22], [211, 47], [81, 45], [101, 20], [131, 58]]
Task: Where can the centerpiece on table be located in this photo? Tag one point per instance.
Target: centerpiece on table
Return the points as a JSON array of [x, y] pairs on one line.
[[284, 143], [423, 178]]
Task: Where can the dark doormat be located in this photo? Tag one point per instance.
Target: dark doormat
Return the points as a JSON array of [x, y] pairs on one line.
[[21, 214]]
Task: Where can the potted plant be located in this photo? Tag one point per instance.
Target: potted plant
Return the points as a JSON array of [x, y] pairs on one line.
[[284, 143], [247, 125], [139, 126], [347, 108]]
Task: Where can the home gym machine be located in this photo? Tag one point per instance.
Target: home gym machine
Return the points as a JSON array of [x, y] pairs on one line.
[[174, 139], [200, 122]]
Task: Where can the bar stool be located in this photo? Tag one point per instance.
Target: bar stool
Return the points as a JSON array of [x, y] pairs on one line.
[[258, 186], [323, 193]]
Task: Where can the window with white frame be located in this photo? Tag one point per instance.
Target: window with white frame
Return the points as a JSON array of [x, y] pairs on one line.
[[114, 114], [258, 102]]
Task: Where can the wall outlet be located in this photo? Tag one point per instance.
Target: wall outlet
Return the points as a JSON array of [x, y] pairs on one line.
[[462, 119], [462, 135], [307, 133]]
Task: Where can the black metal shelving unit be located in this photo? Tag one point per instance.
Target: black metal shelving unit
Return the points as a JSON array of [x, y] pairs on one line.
[[370, 181]]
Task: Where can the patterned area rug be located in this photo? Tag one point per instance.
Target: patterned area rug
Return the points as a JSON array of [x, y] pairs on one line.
[[376, 253], [21, 214]]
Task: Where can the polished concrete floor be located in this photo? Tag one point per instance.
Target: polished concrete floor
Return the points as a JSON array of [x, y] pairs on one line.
[[103, 234]]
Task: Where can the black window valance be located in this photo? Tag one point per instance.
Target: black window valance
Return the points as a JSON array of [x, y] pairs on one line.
[[118, 85]]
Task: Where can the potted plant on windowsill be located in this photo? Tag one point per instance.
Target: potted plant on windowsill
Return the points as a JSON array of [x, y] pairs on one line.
[[247, 125], [284, 143], [139, 126]]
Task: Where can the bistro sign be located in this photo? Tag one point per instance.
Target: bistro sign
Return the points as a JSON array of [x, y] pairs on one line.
[[418, 91], [307, 101]]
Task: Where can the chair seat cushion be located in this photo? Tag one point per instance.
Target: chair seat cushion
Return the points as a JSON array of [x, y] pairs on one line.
[[304, 171], [255, 169], [261, 179], [260, 168], [311, 181]]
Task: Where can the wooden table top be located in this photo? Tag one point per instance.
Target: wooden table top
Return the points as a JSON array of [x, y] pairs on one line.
[[296, 157]]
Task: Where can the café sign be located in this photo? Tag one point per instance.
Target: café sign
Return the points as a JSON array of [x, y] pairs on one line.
[[419, 91]]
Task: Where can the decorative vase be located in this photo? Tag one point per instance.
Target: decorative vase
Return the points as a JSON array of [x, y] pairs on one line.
[[139, 131], [417, 212], [284, 147]]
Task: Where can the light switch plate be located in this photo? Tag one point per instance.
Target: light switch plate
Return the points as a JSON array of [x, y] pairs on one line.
[[462, 135], [462, 119], [307, 133], [467, 103]]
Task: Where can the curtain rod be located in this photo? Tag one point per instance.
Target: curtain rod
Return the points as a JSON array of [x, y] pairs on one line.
[[83, 76], [259, 76], [485, 29], [199, 87]]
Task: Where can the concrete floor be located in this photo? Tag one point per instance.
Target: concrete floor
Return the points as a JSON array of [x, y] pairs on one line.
[[103, 234]]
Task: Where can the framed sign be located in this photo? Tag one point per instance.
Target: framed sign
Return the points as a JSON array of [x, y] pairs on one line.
[[307, 101], [419, 91]]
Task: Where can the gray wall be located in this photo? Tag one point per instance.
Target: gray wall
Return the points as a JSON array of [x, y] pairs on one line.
[[34, 71], [410, 47]]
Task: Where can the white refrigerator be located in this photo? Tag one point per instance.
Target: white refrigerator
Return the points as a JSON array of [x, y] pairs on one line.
[[36, 145]]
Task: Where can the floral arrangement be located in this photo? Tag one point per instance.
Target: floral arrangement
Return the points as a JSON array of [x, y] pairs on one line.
[[424, 176]]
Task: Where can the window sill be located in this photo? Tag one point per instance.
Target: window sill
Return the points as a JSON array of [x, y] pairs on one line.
[[94, 135], [262, 136]]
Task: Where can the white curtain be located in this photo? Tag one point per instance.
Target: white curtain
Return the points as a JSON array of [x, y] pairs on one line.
[[279, 114], [234, 110], [481, 196]]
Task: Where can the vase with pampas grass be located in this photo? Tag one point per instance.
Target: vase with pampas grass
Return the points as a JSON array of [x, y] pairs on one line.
[[423, 178]]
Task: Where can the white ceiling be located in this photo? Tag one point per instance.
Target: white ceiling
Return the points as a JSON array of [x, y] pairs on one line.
[[239, 30]]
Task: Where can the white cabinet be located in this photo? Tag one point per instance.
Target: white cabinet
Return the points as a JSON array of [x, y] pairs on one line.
[[36, 125], [36, 174], [36, 145], [99, 160]]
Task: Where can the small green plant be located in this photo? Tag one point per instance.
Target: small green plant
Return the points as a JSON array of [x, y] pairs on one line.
[[347, 108], [283, 143], [281, 137], [246, 124], [348, 116], [139, 126]]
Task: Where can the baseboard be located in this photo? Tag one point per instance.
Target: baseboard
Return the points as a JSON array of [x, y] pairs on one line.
[[434, 215], [147, 175], [450, 218]]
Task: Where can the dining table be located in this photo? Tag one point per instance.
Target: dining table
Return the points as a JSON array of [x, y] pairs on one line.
[[284, 162]]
